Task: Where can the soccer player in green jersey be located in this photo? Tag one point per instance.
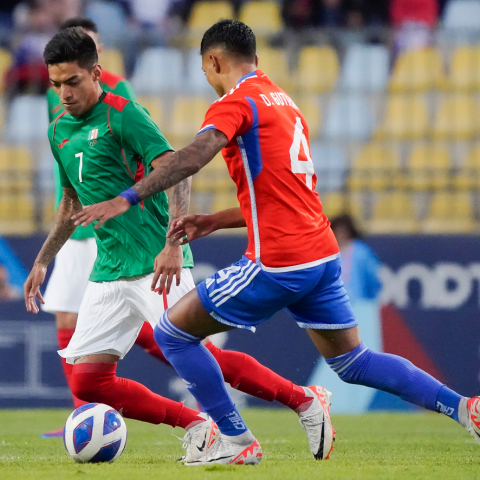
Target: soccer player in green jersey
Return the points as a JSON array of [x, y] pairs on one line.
[[74, 262], [101, 142]]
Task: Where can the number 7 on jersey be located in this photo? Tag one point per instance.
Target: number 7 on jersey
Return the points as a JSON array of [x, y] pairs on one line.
[[80, 166]]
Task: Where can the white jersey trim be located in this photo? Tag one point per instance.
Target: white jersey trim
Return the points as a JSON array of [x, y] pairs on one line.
[[246, 166], [302, 266]]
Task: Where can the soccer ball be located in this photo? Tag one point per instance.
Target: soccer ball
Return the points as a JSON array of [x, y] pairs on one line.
[[95, 433]]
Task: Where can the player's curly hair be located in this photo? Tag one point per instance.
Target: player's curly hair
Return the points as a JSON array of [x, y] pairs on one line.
[[235, 37], [71, 45]]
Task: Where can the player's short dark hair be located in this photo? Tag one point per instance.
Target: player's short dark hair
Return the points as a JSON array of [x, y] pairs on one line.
[[83, 22], [235, 37], [71, 45]]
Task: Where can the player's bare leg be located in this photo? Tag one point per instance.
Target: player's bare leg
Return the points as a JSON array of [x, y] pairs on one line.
[[355, 363]]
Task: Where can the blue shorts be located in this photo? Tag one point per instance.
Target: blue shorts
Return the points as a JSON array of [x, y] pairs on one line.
[[243, 295]]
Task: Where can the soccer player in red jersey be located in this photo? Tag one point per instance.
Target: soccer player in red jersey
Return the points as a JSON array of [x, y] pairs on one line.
[[99, 142], [292, 259]]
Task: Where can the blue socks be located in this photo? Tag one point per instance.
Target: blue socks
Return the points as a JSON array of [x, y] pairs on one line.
[[395, 375], [200, 371]]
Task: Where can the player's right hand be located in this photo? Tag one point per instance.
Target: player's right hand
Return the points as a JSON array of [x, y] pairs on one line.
[[190, 227], [31, 288]]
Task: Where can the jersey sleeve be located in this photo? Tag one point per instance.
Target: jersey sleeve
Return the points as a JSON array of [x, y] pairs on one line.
[[125, 90], [140, 134], [232, 117], [64, 181]]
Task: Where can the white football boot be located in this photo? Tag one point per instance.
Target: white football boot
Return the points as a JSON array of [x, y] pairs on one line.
[[199, 439], [473, 425], [243, 449], [316, 422]]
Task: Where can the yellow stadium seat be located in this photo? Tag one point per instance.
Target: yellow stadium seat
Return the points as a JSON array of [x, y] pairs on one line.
[[406, 118], [274, 63], [465, 71], [317, 69], [5, 61], [224, 200], [449, 213], [204, 15], [469, 176], [154, 107], [309, 106], [187, 117], [417, 70], [112, 61], [16, 215], [457, 118], [429, 167], [334, 204], [16, 170], [376, 167], [48, 217], [394, 212], [214, 177], [263, 17]]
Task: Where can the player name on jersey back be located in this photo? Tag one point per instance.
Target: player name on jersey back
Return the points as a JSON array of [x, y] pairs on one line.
[[268, 157]]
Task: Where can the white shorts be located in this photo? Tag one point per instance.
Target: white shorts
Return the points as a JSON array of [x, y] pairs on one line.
[[69, 279], [112, 314]]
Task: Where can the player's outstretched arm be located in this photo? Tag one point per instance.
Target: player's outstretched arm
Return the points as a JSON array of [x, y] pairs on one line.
[[60, 233], [190, 227], [171, 170]]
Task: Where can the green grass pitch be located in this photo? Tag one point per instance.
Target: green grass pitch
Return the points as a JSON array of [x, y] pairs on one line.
[[373, 446]]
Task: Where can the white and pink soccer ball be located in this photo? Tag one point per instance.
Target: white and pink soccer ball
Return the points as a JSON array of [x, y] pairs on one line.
[[95, 433]]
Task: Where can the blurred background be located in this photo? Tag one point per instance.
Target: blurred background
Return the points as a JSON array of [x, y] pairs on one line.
[[391, 93]]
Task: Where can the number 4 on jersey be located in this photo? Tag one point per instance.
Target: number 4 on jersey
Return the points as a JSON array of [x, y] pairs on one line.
[[301, 161]]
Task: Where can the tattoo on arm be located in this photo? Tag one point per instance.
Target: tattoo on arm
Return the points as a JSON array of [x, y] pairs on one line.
[[63, 228], [173, 167], [178, 202]]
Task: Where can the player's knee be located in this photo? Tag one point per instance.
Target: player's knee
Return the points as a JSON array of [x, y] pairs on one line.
[[171, 339]]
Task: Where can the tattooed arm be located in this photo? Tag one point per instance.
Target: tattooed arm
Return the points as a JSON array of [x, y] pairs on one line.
[[60, 233], [170, 170]]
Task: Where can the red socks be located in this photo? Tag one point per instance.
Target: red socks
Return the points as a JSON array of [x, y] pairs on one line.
[[97, 382], [147, 342], [64, 335], [249, 376]]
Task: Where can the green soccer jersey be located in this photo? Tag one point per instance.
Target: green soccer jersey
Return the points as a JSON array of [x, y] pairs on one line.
[[110, 83], [100, 154]]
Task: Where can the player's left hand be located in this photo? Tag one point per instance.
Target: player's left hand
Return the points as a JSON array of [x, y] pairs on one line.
[[168, 263], [102, 212]]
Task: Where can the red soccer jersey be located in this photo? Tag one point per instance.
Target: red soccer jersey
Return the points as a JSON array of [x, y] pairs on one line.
[[268, 157]]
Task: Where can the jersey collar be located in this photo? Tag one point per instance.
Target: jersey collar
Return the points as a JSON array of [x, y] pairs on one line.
[[251, 74]]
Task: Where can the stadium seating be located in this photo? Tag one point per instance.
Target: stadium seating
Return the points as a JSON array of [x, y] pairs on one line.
[[375, 167], [348, 117], [457, 118], [429, 167], [417, 70], [468, 178], [158, 70], [330, 166], [110, 20], [309, 106], [274, 63], [263, 17], [406, 118], [318, 69], [17, 215], [365, 68], [27, 120], [112, 60], [155, 108], [224, 200], [204, 15], [5, 61], [196, 82], [462, 14], [450, 213], [394, 212], [214, 177], [465, 71]]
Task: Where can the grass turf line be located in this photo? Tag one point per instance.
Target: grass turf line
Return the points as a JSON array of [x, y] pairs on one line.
[[373, 446]]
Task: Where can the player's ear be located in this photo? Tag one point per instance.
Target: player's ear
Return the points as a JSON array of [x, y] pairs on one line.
[[215, 63], [96, 72], [256, 60]]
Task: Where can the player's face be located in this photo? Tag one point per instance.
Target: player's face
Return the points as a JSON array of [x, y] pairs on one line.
[[77, 87]]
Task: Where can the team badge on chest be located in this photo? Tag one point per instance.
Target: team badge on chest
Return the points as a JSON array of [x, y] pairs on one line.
[[92, 137]]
